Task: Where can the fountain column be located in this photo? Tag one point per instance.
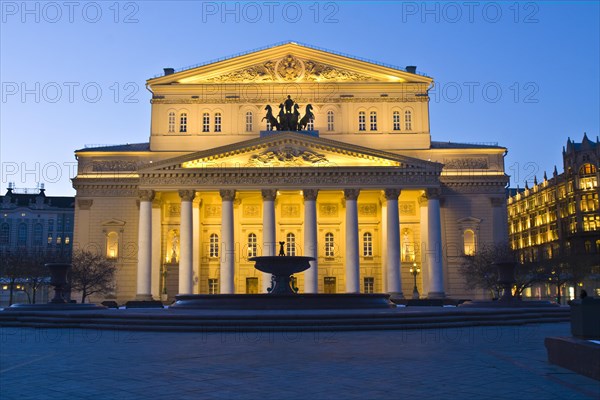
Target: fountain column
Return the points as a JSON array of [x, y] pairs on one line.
[[311, 275], [226, 280], [352, 260], [144, 267], [186, 255], [394, 279], [269, 231], [434, 245]]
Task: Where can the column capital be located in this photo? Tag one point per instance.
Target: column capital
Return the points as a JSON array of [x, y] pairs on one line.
[[146, 195], [498, 201], [310, 194], [351, 194], [269, 194], [227, 194], [85, 204], [391, 193], [433, 193], [187, 195], [422, 200]]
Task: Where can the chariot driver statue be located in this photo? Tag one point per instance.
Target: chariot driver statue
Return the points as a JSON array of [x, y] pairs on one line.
[[288, 104]]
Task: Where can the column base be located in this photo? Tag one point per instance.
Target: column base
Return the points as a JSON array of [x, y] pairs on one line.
[[143, 297], [436, 295]]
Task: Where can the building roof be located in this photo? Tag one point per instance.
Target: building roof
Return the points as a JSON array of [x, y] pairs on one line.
[[117, 147], [454, 145], [14, 199]]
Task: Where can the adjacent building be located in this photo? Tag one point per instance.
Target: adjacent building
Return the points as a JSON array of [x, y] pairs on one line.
[[362, 187]]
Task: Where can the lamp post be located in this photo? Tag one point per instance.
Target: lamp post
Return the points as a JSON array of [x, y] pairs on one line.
[[414, 270]]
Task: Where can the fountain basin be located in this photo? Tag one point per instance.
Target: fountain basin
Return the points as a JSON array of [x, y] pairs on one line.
[[281, 268]]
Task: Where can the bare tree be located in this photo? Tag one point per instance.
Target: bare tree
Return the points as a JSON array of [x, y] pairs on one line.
[[91, 273], [12, 263]]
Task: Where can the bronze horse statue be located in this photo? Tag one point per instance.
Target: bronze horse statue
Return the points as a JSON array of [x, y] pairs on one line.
[[271, 118], [308, 116], [294, 119]]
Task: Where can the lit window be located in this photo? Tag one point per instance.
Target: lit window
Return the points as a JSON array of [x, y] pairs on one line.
[[290, 244], [396, 120], [67, 240], [469, 242], [58, 240], [171, 122], [49, 238], [38, 235], [407, 120], [252, 245], [22, 235], [217, 122], [310, 126], [213, 286], [362, 121], [373, 120], [4, 234], [369, 284], [183, 122], [249, 121], [213, 247], [329, 283], [329, 245], [251, 285], [205, 122], [367, 244], [112, 245], [330, 120]]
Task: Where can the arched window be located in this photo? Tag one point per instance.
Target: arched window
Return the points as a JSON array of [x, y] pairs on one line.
[[218, 122], [587, 177], [38, 230], [112, 245], [252, 245], [171, 122], [290, 244], [408, 120], [330, 121], [5, 234], [587, 169], [396, 120], [213, 246], [373, 120], [368, 244], [22, 235], [362, 121], [249, 121], [205, 122], [329, 245], [469, 242], [183, 122]]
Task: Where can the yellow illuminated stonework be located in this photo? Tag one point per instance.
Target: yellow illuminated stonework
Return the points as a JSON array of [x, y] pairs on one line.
[[366, 190]]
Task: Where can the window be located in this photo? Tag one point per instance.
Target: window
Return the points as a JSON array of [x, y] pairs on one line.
[[591, 222], [587, 169], [329, 245], [49, 238], [589, 202], [67, 240], [38, 231], [112, 245], [368, 244], [50, 225], [368, 284], [408, 120], [249, 119], [183, 122], [58, 240], [22, 235], [217, 122], [588, 246], [59, 223], [251, 285], [469, 242], [396, 120], [373, 120], [330, 121], [213, 246], [310, 126], [4, 234], [362, 121], [252, 245], [205, 122], [290, 244], [171, 122], [213, 286], [329, 284]]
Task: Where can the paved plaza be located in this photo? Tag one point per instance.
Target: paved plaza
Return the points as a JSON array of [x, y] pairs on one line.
[[505, 362]]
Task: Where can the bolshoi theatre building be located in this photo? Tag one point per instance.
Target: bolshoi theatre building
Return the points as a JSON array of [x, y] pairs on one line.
[[327, 154]]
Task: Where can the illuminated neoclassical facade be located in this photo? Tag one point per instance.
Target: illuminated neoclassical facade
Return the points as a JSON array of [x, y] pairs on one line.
[[363, 188]]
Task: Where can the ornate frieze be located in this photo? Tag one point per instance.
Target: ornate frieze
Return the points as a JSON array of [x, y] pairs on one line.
[[287, 155], [328, 210], [173, 209], [367, 209], [111, 166], [212, 211], [407, 208], [466, 163], [328, 97], [251, 210], [290, 210]]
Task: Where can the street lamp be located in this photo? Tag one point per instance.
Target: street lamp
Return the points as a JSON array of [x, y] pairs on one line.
[[414, 270]]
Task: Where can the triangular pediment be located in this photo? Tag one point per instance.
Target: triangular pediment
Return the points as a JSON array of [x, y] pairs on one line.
[[291, 149], [286, 63]]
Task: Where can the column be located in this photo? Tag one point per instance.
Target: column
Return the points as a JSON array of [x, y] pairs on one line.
[[226, 280], [423, 225], [499, 220], [157, 260], [269, 232], [311, 275], [352, 261], [393, 278], [434, 248], [196, 245], [186, 254], [144, 267]]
